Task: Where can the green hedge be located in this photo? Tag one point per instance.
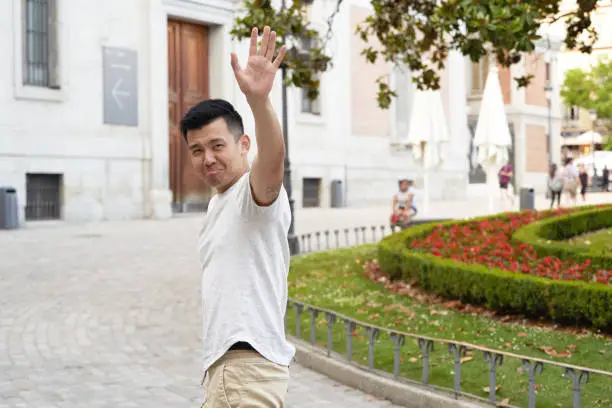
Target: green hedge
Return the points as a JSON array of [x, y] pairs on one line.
[[546, 236], [562, 301]]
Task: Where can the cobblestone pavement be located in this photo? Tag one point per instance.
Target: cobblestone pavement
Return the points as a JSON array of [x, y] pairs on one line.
[[107, 315]]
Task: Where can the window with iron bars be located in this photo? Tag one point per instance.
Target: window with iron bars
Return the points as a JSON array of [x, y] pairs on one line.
[[40, 45], [309, 106]]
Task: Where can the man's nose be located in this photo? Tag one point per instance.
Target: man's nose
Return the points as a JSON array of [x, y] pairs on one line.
[[209, 158]]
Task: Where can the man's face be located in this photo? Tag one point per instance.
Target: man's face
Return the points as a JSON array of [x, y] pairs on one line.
[[215, 154], [404, 186]]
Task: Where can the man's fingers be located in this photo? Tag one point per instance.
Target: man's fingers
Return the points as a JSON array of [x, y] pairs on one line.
[[234, 62], [253, 46], [271, 46], [265, 41], [280, 56]]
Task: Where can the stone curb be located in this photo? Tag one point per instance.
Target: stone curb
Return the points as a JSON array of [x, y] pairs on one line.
[[406, 395]]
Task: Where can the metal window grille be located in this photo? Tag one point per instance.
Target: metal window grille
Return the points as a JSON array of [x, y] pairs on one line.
[[311, 189], [310, 106], [40, 43], [43, 197]]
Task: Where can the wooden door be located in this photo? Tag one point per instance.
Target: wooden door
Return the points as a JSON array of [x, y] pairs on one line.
[[187, 85]]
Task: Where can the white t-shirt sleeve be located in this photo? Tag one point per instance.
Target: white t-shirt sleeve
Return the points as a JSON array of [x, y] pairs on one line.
[[251, 210]]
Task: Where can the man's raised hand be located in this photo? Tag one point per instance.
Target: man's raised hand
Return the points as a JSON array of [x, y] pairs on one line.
[[256, 79]]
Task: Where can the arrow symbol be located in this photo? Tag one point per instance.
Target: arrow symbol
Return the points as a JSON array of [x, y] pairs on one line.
[[117, 92]]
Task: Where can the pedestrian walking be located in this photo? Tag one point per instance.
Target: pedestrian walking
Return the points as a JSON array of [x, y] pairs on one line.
[[555, 185], [570, 180], [583, 177], [505, 175], [243, 247]]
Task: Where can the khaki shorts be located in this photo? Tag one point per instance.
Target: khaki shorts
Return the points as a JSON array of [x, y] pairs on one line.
[[243, 378]]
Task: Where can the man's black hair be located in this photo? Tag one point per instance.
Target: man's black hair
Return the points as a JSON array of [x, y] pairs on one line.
[[208, 111]]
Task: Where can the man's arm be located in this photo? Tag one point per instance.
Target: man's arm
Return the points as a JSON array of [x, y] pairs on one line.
[[269, 164], [256, 81]]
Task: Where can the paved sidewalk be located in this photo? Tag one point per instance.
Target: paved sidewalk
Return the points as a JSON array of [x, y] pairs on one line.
[[107, 315]]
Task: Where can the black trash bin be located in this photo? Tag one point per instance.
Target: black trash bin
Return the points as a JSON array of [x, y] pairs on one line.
[[9, 211], [337, 194], [527, 198]]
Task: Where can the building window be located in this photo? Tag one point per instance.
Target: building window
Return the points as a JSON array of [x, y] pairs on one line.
[[312, 107], [40, 51], [479, 74], [403, 101], [572, 113]]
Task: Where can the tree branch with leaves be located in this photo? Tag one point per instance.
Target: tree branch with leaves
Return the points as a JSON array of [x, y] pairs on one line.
[[419, 34]]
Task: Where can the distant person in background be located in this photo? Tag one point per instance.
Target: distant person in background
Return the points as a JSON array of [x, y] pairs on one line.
[[570, 180], [403, 202], [505, 177], [583, 177], [412, 195], [555, 185], [605, 179]]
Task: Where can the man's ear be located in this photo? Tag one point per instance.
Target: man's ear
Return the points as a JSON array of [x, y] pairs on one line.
[[245, 144]]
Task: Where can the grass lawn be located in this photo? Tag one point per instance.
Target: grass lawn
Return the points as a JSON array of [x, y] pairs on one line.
[[335, 280], [600, 241]]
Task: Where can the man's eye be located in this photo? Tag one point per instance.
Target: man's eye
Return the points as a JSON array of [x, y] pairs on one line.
[[218, 146]]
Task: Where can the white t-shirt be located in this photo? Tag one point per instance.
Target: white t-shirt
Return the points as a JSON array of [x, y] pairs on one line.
[[412, 191], [244, 255], [403, 198]]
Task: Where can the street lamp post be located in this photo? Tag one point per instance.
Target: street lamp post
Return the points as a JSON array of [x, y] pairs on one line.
[[548, 90], [294, 245], [593, 117]]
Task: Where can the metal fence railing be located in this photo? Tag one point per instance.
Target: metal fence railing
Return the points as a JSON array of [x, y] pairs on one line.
[[493, 359]]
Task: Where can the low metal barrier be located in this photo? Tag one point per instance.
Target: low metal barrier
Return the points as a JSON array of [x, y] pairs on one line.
[[346, 237], [577, 375]]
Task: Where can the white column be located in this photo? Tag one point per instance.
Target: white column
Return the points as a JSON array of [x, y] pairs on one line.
[[457, 114], [159, 194]]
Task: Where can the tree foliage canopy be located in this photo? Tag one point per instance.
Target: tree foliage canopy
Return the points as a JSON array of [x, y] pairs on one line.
[[419, 34], [591, 89]]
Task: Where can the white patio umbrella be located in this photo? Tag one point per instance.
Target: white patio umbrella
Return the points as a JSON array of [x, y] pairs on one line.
[[492, 137], [427, 135]]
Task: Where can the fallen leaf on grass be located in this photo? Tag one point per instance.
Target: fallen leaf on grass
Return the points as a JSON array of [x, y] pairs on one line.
[[572, 347], [554, 353], [508, 345], [465, 359], [413, 359], [491, 329], [438, 312], [522, 334], [487, 389]]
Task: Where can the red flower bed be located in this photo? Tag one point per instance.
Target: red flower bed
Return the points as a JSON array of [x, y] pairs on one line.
[[488, 242]]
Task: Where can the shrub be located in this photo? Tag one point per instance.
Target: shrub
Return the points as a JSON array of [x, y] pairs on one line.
[[546, 236], [563, 301]]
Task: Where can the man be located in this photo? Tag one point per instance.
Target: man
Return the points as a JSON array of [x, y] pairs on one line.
[[243, 247]]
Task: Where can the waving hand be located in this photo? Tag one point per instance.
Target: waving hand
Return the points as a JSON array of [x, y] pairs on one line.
[[256, 79]]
